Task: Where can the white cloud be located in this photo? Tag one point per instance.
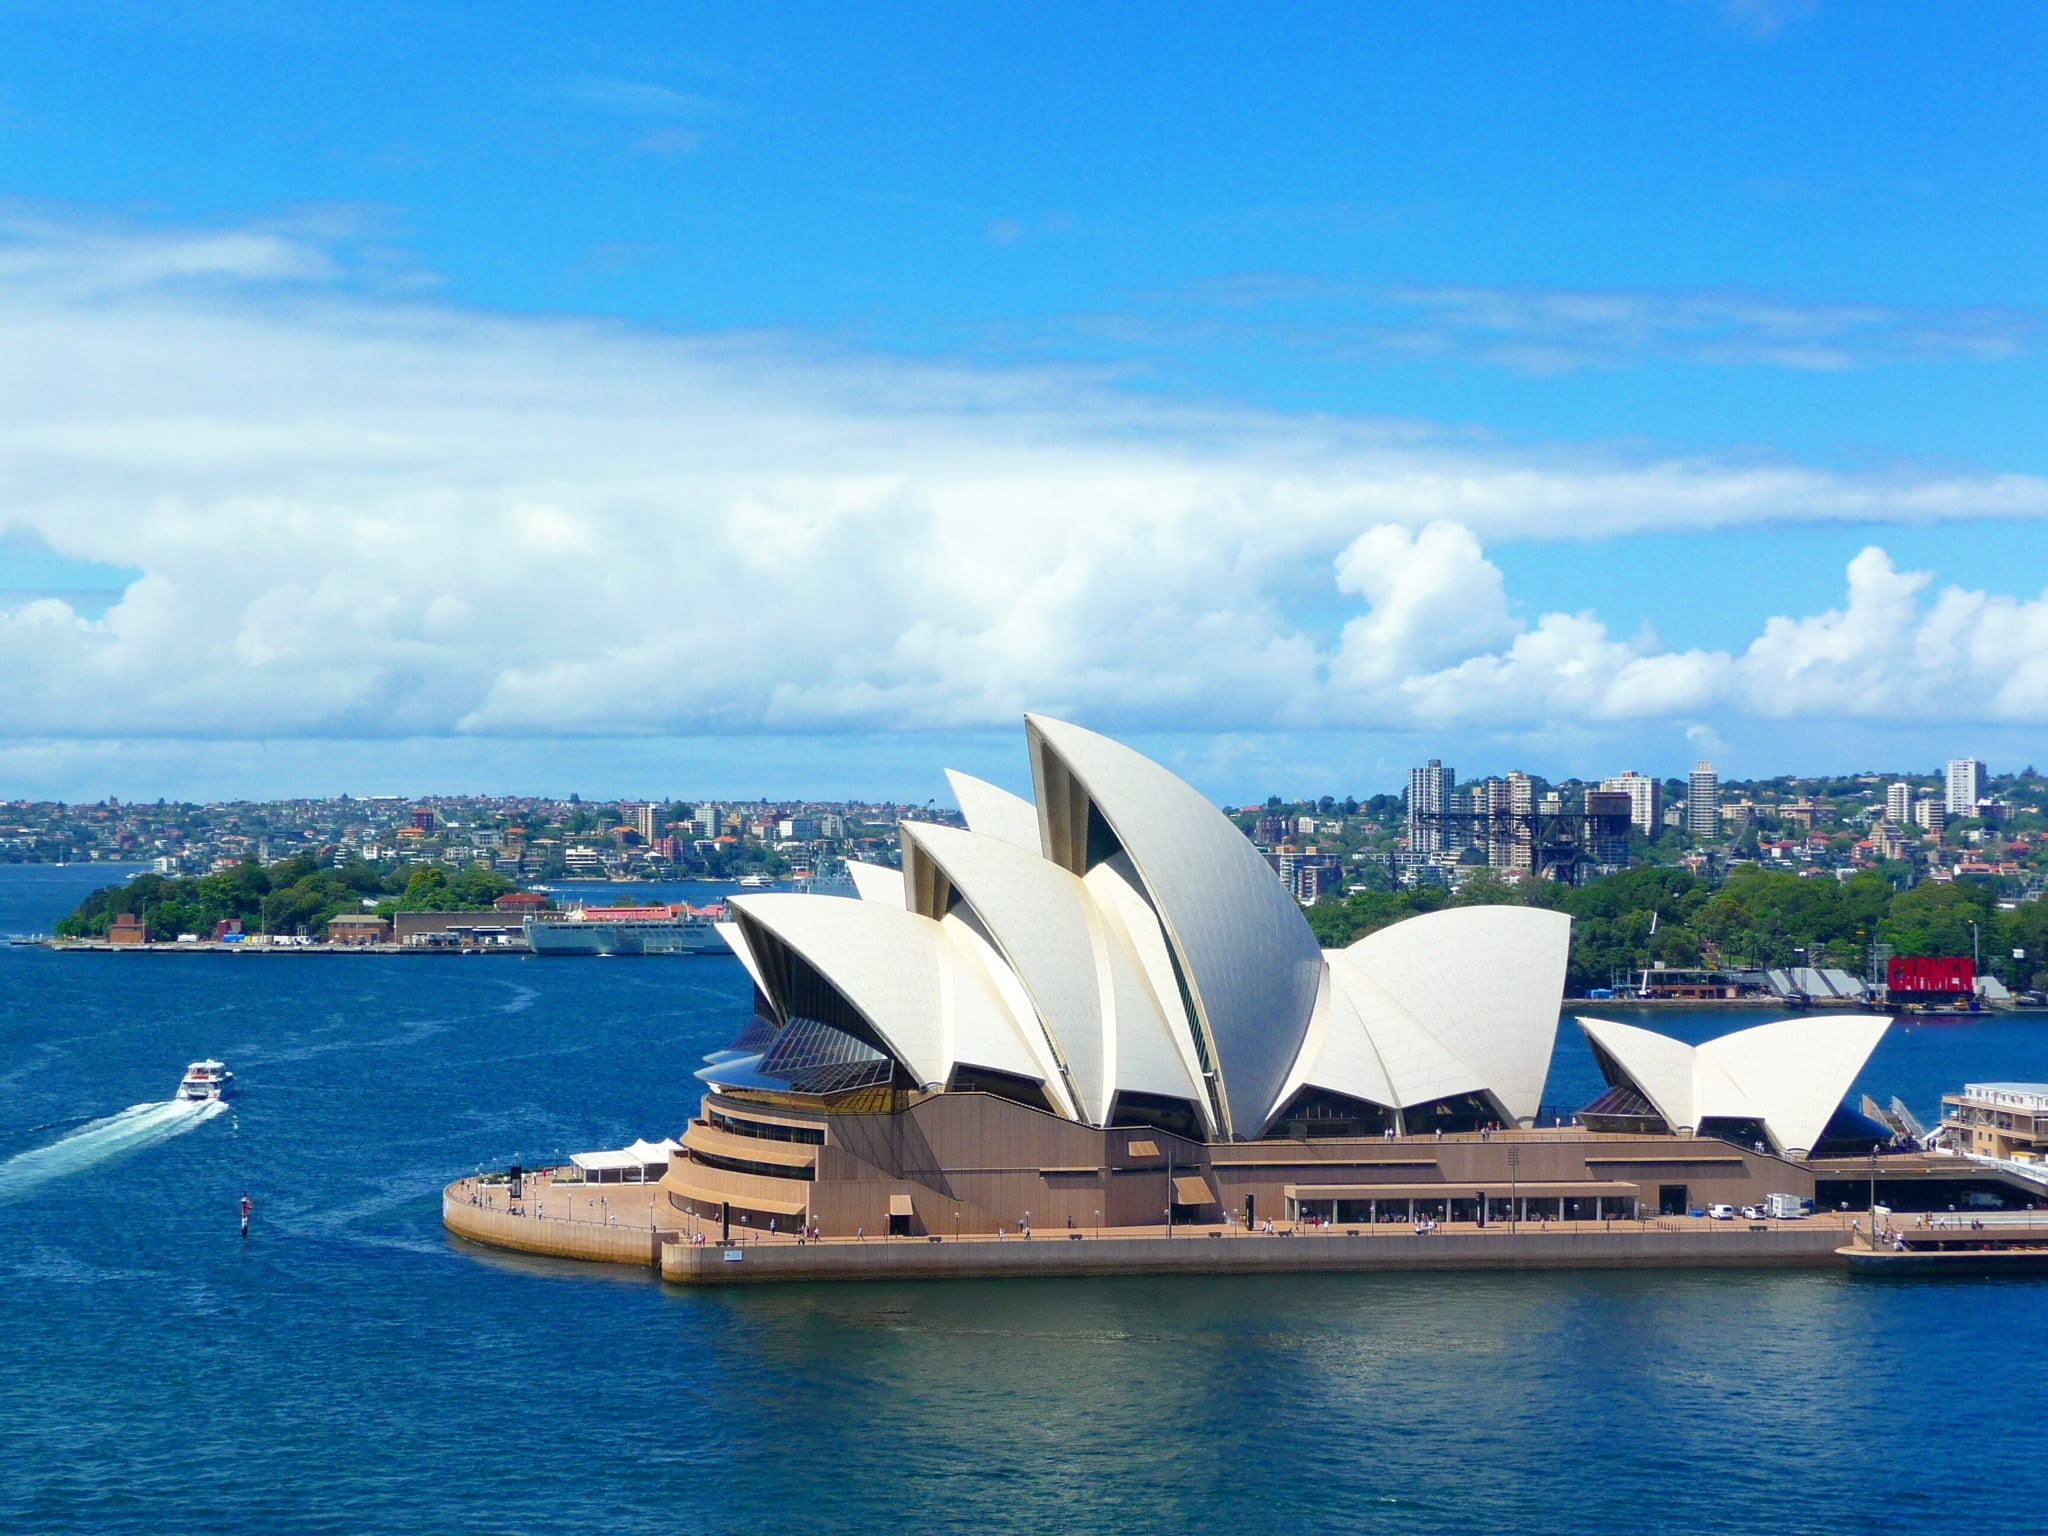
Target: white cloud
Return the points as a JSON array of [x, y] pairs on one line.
[[362, 517], [1882, 655], [1433, 597], [1556, 330]]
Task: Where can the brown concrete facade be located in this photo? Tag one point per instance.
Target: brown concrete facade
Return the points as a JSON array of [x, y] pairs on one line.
[[1655, 1245], [973, 1163]]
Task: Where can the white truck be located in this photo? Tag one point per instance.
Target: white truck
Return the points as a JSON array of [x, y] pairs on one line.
[[1787, 1207]]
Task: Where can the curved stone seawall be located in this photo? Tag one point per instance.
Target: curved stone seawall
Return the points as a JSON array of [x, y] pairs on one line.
[[563, 1239], [982, 1259]]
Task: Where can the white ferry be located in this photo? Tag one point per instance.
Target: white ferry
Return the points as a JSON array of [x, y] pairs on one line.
[[206, 1080], [660, 930]]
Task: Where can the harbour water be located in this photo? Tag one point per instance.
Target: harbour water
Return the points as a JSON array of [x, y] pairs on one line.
[[349, 1368]]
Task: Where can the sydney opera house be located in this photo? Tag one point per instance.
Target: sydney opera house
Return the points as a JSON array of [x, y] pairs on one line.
[[1100, 1008]]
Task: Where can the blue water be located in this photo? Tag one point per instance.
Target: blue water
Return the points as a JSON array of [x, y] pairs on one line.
[[351, 1369]]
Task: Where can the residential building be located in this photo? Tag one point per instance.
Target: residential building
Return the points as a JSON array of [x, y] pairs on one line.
[[1898, 804], [1966, 782], [1703, 803], [1429, 794], [1645, 800], [649, 821], [1927, 813], [1272, 831], [1513, 841], [707, 820]]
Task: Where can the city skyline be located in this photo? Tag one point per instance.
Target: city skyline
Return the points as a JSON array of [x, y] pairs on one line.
[[775, 407]]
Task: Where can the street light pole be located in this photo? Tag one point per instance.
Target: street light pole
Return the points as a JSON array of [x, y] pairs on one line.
[[1169, 1189]]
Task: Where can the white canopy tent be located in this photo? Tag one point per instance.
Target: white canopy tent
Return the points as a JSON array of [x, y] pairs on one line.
[[642, 1162]]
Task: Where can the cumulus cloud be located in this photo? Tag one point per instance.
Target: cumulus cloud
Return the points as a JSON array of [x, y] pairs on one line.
[[356, 516], [1884, 654]]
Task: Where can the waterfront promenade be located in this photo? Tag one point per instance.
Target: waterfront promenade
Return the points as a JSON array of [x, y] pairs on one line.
[[632, 1224]]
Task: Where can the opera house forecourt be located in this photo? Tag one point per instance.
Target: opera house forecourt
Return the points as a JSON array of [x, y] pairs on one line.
[[1099, 1015]]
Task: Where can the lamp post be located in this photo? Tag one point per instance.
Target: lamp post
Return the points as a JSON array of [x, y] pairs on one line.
[[1873, 1197], [956, 1226]]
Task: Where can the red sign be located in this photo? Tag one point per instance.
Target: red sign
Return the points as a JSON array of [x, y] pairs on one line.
[[1938, 974]]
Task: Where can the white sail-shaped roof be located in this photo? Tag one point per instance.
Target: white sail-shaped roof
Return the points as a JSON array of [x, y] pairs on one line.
[[988, 1018], [1418, 1067], [1485, 982], [1661, 1068], [1247, 957], [876, 882], [1338, 1053], [1123, 938], [1036, 914], [1797, 1071], [883, 960], [926, 996], [734, 941], [1088, 992], [1153, 1042], [1790, 1075], [994, 811]]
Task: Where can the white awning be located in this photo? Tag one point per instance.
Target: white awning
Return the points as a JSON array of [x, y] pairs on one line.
[[642, 1154]]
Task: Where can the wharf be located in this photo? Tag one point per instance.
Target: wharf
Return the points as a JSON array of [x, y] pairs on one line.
[[1965, 1244], [631, 1224]]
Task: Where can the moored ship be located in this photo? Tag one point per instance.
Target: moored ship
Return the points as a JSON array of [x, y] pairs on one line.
[[658, 930]]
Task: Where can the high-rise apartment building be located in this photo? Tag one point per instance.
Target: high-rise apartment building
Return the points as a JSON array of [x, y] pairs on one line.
[[708, 820], [1966, 779], [1927, 813], [1503, 814], [1898, 804], [1703, 803], [1429, 794], [649, 822], [1645, 800], [1521, 848]]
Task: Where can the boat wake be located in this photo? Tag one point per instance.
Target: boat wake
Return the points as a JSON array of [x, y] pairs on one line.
[[142, 1125]]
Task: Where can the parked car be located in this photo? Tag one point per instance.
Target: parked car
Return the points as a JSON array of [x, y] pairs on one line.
[[1721, 1212]]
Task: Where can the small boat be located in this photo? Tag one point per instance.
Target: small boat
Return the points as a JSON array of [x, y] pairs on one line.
[[754, 882], [206, 1080]]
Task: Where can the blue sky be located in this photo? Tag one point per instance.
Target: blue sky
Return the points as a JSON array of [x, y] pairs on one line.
[[1674, 308]]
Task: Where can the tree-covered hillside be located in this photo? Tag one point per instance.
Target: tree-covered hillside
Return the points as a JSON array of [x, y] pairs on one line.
[[1754, 917], [296, 895]]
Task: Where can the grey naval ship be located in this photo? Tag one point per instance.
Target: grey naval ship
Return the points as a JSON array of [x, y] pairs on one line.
[[659, 930]]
